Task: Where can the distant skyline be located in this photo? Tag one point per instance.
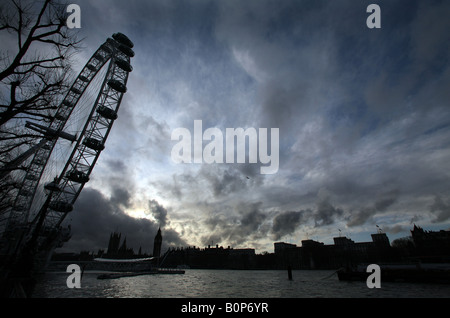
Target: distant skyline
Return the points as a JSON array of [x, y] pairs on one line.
[[363, 117]]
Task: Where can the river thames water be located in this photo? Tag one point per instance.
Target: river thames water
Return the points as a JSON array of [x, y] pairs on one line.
[[196, 283]]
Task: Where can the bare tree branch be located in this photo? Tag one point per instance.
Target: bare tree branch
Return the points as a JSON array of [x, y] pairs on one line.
[[34, 73], [48, 29]]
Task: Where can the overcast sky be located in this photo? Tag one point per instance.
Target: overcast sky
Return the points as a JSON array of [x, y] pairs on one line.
[[363, 117]]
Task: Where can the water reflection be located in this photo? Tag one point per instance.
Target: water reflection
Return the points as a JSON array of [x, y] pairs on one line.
[[231, 284]]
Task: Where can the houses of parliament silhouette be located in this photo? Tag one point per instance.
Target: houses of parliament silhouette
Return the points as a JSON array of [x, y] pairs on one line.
[[121, 251]]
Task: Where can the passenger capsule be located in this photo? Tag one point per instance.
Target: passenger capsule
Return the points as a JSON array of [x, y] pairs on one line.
[[124, 65], [67, 103], [99, 57], [83, 78], [106, 48], [91, 67], [60, 116], [116, 85], [75, 90], [126, 50], [107, 112], [123, 39], [93, 144], [39, 161], [77, 176]]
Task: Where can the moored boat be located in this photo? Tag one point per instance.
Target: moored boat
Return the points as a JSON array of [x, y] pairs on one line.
[[414, 273]]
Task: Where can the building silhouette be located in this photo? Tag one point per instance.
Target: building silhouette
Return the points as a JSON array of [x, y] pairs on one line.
[[116, 249], [113, 244], [344, 252], [423, 246], [157, 246], [431, 245]]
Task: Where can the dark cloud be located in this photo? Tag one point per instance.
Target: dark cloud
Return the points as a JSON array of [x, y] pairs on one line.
[[96, 216], [395, 229], [245, 225], [441, 209], [326, 213], [286, 223], [367, 213], [252, 218], [117, 166], [121, 197], [224, 182], [361, 216], [212, 181], [158, 212]]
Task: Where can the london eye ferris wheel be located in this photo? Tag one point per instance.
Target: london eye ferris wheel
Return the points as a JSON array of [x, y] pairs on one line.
[[60, 165]]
